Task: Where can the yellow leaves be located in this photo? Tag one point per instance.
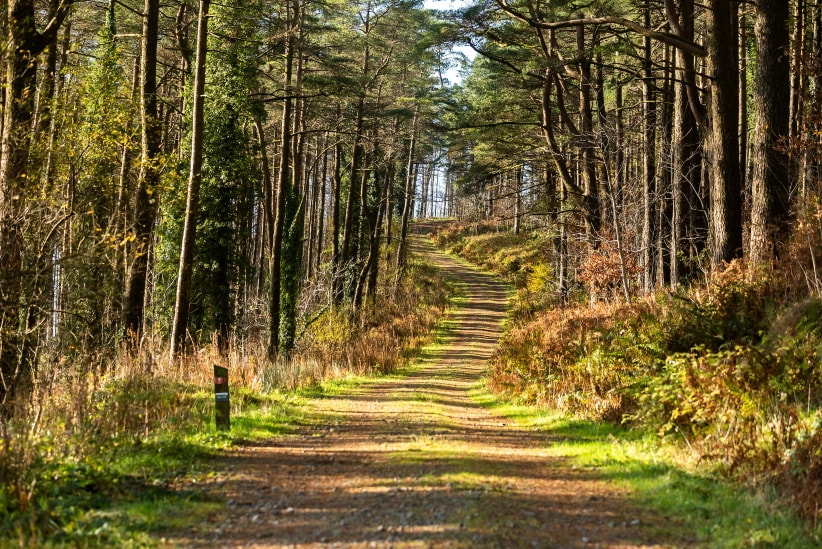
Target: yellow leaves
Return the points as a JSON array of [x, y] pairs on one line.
[[118, 240], [539, 278]]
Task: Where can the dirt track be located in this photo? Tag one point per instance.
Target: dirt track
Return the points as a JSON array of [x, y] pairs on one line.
[[414, 462]]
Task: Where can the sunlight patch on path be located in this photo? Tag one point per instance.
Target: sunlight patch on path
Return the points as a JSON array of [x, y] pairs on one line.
[[413, 461]]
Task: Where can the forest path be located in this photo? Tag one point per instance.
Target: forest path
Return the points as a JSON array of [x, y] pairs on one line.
[[412, 461]]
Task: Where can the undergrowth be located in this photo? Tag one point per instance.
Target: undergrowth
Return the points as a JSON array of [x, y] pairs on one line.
[[731, 369], [98, 455]]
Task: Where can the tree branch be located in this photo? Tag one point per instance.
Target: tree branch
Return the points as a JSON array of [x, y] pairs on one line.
[[45, 37], [665, 37]]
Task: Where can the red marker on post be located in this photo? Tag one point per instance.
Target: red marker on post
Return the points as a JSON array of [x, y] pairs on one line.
[[221, 399]]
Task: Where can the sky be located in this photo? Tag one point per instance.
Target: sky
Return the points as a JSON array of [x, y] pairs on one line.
[[453, 73], [445, 4]]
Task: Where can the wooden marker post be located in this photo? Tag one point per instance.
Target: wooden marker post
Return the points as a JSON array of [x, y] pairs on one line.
[[223, 405]]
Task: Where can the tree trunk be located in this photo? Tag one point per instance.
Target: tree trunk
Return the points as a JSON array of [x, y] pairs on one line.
[[372, 219], [321, 189], [590, 184], [620, 166], [517, 199], [284, 184], [723, 140], [46, 93], [664, 201], [407, 201], [336, 255], [743, 101], [313, 194], [770, 187], [649, 176], [349, 250], [798, 76], [186, 267], [365, 217], [269, 194], [21, 49], [148, 183], [426, 183], [685, 160], [293, 228], [561, 246]]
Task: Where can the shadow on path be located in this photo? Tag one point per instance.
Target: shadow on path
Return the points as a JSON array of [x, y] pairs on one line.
[[414, 462]]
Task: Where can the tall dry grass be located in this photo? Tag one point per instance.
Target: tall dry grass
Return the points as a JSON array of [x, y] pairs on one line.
[[83, 407]]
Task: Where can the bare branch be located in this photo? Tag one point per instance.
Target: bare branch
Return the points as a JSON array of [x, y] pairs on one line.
[[665, 37]]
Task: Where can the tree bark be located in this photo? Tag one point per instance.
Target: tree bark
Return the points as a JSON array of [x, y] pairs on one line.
[[321, 190], [148, 184], [743, 101], [268, 198], [283, 185], [649, 183], [186, 267], [336, 256], [349, 248], [664, 177], [723, 140], [798, 76], [685, 160], [771, 186], [407, 200], [517, 199], [294, 208], [590, 183]]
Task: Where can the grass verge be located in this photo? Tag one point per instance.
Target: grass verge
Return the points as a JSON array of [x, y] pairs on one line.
[[696, 507], [129, 489]]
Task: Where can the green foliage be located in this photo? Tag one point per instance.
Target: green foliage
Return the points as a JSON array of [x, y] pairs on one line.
[[230, 175], [104, 465], [100, 457], [388, 333], [731, 311], [96, 200], [749, 407], [229, 189], [75, 480]]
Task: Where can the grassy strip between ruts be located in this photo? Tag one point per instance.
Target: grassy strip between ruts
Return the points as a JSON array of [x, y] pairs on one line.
[[446, 325], [715, 512]]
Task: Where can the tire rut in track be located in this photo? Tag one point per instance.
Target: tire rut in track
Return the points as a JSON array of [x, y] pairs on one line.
[[414, 462]]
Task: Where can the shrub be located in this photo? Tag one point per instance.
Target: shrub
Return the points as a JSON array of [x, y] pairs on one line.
[[728, 367], [580, 359], [718, 369], [732, 310], [601, 269]]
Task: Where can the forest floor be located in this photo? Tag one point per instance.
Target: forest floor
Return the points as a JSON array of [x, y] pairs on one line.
[[414, 461]]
